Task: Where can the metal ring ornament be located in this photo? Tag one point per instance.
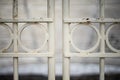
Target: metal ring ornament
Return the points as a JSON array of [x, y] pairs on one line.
[[90, 49], [107, 40], [11, 36], [32, 50]]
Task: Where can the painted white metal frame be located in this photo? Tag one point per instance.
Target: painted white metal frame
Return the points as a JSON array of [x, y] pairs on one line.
[[102, 38], [16, 40]]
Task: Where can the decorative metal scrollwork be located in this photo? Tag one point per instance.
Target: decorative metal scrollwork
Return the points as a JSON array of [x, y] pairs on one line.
[[90, 49], [107, 39], [11, 36], [33, 50]]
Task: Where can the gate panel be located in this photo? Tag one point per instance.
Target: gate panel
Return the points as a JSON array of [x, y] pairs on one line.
[[16, 39], [101, 41]]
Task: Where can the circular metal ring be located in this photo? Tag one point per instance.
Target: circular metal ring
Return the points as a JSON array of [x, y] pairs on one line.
[[33, 50], [90, 49], [107, 40], [11, 36]]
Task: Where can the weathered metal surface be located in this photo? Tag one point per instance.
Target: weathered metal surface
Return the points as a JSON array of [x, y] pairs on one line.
[[15, 35], [102, 38]]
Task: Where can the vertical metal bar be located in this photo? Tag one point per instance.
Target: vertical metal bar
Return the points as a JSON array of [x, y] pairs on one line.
[[66, 68], [15, 28], [51, 60], [102, 25], [66, 60]]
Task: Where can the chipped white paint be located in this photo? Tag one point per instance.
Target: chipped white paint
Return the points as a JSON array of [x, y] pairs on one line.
[[102, 38], [67, 20], [15, 34]]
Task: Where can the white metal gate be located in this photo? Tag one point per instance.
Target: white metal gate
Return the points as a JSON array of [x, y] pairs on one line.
[[16, 34], [102, 38]]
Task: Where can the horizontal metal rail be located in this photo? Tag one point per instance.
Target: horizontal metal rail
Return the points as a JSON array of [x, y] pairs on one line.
[[10, 55], [93, 20], [96, 55], [42, 20]]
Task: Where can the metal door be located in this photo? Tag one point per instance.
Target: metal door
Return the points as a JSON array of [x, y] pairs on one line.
[[102, 38], [16, 39]]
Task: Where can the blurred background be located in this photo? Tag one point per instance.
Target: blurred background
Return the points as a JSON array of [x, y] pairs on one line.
[[83, 37]]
